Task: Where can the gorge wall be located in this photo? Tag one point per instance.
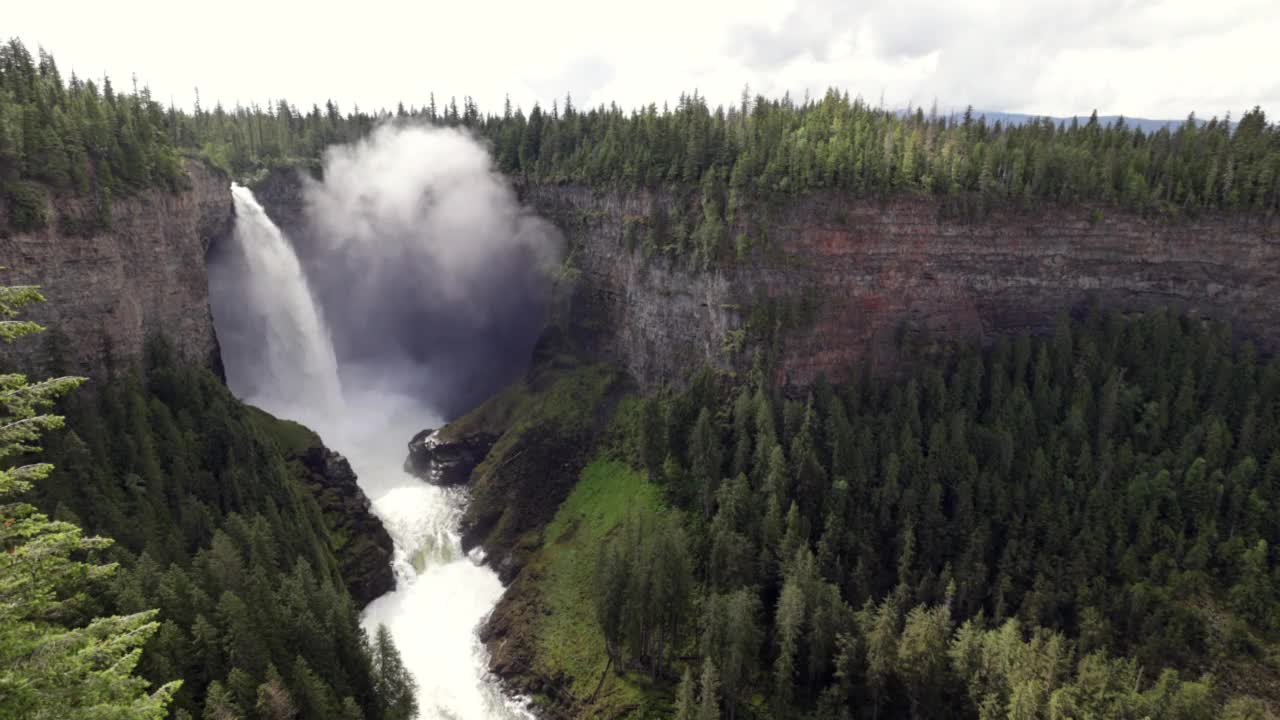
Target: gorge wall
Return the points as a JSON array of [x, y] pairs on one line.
[[147, 275], [875, 271], [115, 287]]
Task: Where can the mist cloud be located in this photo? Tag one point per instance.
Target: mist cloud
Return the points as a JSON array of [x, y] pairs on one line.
[[430, 274]]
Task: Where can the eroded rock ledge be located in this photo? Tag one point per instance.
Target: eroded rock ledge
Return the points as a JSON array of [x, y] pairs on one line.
[[365, 549], [446, 462]]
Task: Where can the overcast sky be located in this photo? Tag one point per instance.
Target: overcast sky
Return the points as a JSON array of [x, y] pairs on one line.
[[1158, 58]]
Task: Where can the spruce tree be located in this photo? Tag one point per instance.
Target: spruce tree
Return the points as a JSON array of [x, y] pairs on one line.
[[394, 685], [709, 692], [686, 697]]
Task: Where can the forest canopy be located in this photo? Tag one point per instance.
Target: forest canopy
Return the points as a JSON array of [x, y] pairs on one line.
[[218, 594], [214, 528], [776, 147], [86, 136], [1082, 525], [75, 136]]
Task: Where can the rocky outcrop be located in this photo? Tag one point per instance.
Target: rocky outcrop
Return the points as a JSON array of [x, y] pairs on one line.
[[514, 492], [281, 193], [145, 275], [363, 547], [877, 271], [510, 636], [446, 462], [518, 493]]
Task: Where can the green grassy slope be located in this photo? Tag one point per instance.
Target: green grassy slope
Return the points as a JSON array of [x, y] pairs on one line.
[[568, 638]]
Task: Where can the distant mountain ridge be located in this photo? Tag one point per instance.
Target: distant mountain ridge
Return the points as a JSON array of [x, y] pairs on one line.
[[1147, 125]]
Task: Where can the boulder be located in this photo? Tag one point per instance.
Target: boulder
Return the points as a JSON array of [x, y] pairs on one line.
[[446, 462]]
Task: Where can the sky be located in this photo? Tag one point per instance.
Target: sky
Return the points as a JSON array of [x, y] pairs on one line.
[[1141, 58]]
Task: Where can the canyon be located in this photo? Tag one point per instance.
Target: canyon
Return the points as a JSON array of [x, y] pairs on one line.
[[873, 271], [871, 274], [876, 272], [869, 277]]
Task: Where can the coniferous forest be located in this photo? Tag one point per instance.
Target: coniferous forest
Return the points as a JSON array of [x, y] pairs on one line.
[[765, 148], [1081, 525], [75, 136], [1075, 526], [215, 531], [207, 552], [84, 135]]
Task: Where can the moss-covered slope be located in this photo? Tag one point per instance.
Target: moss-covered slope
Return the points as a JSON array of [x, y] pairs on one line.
[[546, 425]]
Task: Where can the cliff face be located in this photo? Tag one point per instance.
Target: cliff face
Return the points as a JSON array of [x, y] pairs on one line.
[[145, 274], [280, 192], [363, 548], [875, 271]]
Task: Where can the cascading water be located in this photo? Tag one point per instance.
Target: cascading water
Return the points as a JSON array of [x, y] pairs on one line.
[[284, 354], [279, 356]]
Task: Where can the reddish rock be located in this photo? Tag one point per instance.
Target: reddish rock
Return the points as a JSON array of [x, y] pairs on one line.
[[881, 269]]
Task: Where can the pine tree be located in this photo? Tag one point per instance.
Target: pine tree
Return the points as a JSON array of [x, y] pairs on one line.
[[351, 709], [709, 692], [314, 697], [686, 697], [394, 685], [49, 667], [219, 704], [787, 623], [922, 658], [732, 638], [273, 699], [705, 459]]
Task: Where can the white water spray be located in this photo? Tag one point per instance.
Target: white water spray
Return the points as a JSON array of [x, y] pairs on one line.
[[441, 595]]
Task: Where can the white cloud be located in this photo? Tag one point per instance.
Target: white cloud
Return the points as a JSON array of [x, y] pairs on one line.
[[1154, 58]]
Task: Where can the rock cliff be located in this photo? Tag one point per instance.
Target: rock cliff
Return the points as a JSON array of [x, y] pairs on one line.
[[874, 271], [114, 288], [280, 191], [364, 548], [110, 290]]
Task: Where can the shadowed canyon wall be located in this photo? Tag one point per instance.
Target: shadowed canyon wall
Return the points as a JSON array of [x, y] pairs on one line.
[[427, 271], [875, 272]]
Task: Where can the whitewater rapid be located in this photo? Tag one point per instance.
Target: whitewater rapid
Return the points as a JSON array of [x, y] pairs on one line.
[[441, 595]]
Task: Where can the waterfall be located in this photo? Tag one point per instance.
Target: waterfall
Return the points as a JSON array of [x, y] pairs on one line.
[[284, 359], [278, 355]]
